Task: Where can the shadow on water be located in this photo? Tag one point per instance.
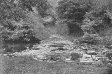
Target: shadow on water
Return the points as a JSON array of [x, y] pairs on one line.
[[20, 44], [10, 48]]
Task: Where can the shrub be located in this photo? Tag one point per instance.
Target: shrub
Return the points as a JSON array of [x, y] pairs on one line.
[[75, 56], [15, 21], [72, 13], [53, 57]]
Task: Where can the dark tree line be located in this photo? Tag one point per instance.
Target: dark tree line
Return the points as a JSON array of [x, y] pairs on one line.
[[84, 17]]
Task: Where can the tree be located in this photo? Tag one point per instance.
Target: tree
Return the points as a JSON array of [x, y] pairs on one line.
[[101, 19], [41, 5], [15, 21], [75, 56], [72, 13]]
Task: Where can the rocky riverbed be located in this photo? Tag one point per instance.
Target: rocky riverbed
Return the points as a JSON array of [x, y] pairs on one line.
[[58, 48], [57, 55]]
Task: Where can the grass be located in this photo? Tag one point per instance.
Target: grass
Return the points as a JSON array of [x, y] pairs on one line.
[[27, 65]]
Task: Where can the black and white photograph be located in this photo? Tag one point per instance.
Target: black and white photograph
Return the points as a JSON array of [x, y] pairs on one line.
[[55, 36]]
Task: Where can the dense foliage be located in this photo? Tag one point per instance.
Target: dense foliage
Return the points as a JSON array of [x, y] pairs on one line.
[[72, 11], [30, 21], [18, 18], [42, 6], [15, 24], [85, 17]]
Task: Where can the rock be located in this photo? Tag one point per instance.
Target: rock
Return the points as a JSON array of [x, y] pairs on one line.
[[86, 58], [58, 48], [54, 45]]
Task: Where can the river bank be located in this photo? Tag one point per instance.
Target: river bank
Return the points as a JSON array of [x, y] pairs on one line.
[[27, 65]]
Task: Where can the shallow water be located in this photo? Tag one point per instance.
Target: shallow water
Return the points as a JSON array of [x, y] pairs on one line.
[[10, 48]]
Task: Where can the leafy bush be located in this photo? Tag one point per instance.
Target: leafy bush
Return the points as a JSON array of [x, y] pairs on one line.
[[72, 13], [53, 57], [15, 22], [90, 39], [41, 5], [75, 56], [109, 55]]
